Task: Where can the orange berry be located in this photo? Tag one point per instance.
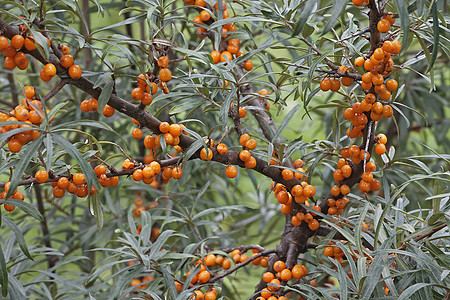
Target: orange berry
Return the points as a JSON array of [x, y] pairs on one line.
[[156, 167], [335, 85], [79, 178], [250, 163], [346, 171], [390, 18], [248, 65], [364, 186], [244, 155], [177, 173], [314, 225], [380, 149], [99, 170], [216, 56], [375, 185], [325, 84], [359, 61], [50, 70], [58, 192], [397, 47], [41, 176], [279, 266], [275, 282], [163, 62], [136, 133], [226, 264], [10, 63], [205, 16], [206, 154], [65, 49], [231, 171], [383, 25], [347, 81], [66, 61], [137, 94], [108, 111], [287, 174], [286, 275], [222, 149], [378, 53], [242, 112], [204, 276], [164, 127], [226, 55], [4, 43], [17, 41], [75, 71]]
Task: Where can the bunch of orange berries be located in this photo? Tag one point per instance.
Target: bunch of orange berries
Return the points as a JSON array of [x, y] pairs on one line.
[[29, 111], [16, 195], [344, 170], [232, 49], [90, 105], [74, 184], [240, 257], [283, 274], [142, 282], [66, 61], [14, 57], [204, 274], [333, 251]]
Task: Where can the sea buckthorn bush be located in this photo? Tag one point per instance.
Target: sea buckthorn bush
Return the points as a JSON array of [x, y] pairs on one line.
[[205, 149]]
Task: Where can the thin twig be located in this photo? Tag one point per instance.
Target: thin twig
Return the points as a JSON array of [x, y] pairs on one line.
[[55, 90]]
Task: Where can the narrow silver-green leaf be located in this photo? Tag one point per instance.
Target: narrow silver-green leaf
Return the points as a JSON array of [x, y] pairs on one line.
[[306, 13], [28, 153], [105, 95], [73, 152], [28, 208], [18, 234], [3, 274], [337, 9], [402, 10], [285, 122], [96, 210], [434, 13]]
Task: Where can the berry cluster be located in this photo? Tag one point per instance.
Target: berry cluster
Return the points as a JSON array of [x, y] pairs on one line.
[[280, 276], [29, 111], [232, 48]]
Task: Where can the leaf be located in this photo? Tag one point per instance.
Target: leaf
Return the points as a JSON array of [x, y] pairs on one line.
[[436, 36], [90, 123], [26, 207], [102, 78], [374, 272], [49, 148], [73, 152], [105, 95], [119, 24], [3, 274], [404, 19], [406, 294], [342, 279], [23, 164], [96, 210], [18, 234], [304, 16], [285, 122], [6, 135], [337, 9]]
